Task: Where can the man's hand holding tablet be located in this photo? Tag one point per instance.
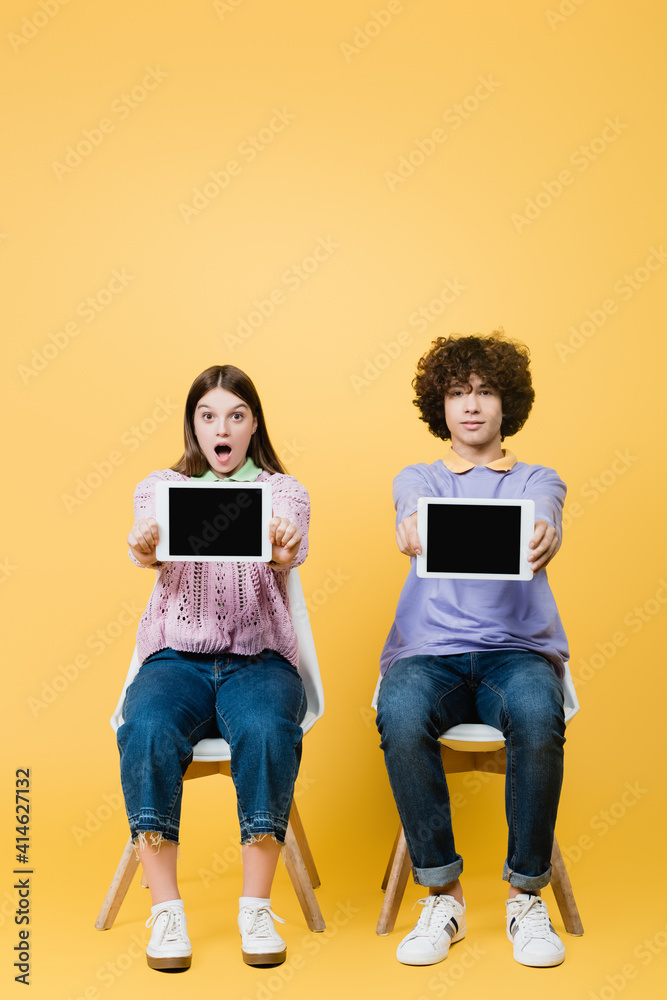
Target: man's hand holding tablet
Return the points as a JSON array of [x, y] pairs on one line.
[[542, 547], [407, 536]]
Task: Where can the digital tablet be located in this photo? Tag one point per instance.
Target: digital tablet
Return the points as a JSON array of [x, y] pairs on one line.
[[475, 539], [213, 522]]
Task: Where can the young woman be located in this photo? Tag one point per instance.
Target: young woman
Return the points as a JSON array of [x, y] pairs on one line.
[[219, 657]]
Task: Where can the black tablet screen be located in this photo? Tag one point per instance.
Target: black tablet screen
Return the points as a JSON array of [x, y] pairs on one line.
[[215, 522], [473, 538]]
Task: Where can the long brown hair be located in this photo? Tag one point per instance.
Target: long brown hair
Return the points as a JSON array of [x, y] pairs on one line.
[[192, 462]]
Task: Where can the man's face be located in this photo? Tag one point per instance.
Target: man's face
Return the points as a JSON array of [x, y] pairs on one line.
[[474, 413]]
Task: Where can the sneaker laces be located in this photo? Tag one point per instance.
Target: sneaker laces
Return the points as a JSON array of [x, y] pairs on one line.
[[174, 929], [259, 921], [436, 914], [532, 916]]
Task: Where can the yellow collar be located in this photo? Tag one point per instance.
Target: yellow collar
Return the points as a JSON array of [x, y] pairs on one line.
[[455, 463]]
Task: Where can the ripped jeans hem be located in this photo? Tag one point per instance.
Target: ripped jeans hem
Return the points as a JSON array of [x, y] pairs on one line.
[[151, 838], [255, 838]]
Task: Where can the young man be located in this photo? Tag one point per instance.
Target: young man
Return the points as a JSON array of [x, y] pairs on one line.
[[462, 650]]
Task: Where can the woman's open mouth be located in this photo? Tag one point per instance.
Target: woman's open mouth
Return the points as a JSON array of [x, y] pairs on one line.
[[222, 451]]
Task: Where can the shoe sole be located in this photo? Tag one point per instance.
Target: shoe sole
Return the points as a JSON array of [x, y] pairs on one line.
[[434, 961], [541, 962], [265, 958], [537, 961], [178, 962]]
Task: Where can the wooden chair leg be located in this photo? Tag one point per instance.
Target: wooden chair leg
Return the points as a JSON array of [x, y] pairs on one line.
[[120, 883], [398, 878], [304, 847], [301, 881], [387, 872], [562, 889]]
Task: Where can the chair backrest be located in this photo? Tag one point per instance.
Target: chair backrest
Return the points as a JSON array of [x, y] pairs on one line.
[[308, 665], [492, 738], [309, 668]]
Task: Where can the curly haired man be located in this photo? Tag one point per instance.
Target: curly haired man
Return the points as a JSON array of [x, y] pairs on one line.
[[483, 650]]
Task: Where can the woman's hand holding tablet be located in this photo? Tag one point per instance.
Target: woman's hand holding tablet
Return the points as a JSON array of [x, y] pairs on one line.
[[285, 538], [143, 539]]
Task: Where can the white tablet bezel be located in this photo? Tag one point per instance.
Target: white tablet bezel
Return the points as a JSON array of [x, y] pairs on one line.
[[162, 491], [527, 530]]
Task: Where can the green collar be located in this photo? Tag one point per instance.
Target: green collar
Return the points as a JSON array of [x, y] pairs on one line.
[[246, 474]]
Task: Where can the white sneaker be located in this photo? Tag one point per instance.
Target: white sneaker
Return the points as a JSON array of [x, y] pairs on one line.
[[260, 942], [531, 932], [169, 946], [442, 921]]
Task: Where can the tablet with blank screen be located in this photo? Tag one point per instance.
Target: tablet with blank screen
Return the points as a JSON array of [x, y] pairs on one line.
[[465, 539], [213, 522]]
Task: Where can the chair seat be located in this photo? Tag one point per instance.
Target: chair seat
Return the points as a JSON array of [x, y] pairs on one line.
[[484, 737], [215, 748], [488, 737]]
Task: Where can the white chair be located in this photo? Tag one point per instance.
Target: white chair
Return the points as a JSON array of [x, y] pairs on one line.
[[212, 756], [472, 746]]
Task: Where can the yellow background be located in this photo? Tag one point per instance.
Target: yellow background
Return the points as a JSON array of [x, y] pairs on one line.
[[354, 95]]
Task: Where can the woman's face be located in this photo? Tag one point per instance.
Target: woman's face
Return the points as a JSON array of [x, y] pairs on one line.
[[223, 426]]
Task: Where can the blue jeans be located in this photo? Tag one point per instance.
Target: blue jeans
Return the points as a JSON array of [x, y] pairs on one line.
[[254, 702], [513, 690]]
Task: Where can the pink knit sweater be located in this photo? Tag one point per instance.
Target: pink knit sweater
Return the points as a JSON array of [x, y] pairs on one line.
[[208, 607]]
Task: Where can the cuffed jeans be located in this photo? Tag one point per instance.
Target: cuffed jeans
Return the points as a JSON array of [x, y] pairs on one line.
[[254, 702], [513, 690]]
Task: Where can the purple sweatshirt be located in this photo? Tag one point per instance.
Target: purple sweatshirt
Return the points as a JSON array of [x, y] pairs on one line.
[[440, 617]]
